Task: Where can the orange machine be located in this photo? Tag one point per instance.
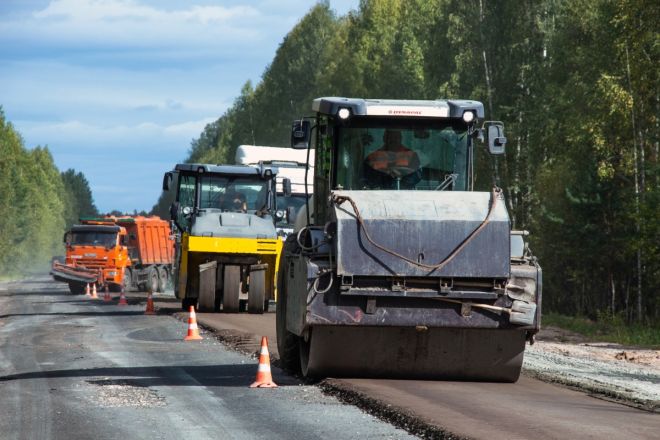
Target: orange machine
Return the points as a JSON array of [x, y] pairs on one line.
[[135, 252]]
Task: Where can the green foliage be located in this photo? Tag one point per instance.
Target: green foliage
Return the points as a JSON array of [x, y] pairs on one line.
[[37, 204], [576, 83], [607, 328]]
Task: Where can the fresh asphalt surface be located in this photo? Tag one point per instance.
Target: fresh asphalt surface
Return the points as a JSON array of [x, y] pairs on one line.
[[76, 368]]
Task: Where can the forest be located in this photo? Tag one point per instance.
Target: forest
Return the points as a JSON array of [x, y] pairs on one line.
[[37, 202], [574, 81]]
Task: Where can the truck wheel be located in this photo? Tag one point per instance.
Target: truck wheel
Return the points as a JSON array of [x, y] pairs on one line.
[[77, 288], [187, 302], [163, 279], [257, 292], [128, 280], [231, 288], [152, 280], [287, 342]]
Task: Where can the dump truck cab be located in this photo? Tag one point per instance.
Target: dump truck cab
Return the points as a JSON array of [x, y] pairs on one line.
[[227, 248], [96, 252], [398, 255]]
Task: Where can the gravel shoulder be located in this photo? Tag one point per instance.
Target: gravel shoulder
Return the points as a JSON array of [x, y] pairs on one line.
[[629, 375]]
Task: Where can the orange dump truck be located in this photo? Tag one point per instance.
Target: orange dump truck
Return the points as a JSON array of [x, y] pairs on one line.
[[135, 252]]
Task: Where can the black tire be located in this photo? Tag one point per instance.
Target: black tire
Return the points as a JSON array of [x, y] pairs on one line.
[[77, 288], [257, 292], [152, 280], [287, 342], [163, 279], [128, 280], [231, 289], [187, 302]]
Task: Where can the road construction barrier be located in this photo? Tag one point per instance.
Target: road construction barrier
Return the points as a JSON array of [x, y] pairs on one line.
[[193, 330], [264, 378]]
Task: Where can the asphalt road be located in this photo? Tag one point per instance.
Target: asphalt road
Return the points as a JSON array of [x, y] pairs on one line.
[[528, 409], [76, 368]]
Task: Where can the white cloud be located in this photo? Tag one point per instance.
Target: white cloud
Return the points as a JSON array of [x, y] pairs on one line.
[[132, 24]]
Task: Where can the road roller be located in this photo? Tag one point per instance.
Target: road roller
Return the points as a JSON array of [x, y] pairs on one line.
[[397, 267]]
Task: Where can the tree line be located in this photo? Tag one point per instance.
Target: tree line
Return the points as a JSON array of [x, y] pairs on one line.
[[37, 203], [576, 83]]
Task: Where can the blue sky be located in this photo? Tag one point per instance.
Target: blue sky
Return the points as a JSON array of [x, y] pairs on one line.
[[117, 89]]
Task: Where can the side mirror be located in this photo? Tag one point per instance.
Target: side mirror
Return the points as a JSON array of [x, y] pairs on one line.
[[65, 238], [167, 181], [496, 139], [174, 210], [286, 186], [300, 134], [290, 214]]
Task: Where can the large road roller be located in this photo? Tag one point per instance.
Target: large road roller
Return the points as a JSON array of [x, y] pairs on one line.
[[397, 268], [227, 249]]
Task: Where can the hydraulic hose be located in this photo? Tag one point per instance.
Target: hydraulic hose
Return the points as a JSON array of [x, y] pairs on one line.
[[495, 195]]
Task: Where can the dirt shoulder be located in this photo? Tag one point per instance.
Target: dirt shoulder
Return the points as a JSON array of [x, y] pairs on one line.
[[630, 375]]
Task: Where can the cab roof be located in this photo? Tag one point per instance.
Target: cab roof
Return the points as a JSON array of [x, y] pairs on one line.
[[228, 170], [439, 108]]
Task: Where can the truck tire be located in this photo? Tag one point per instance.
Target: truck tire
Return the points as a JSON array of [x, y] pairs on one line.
[[163, 279], [257, 292], [128, 280], [187, 302], [152, 280], [231, 288], [77, 288], [287, 342]]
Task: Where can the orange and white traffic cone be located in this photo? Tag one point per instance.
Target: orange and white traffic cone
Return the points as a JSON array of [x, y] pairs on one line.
[[87, 290], [264, 378], [106, 296], [94, 295], [150, 305], [122, 298], [193, 330]]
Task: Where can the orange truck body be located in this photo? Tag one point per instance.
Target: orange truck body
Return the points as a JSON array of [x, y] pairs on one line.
[[134, 252]]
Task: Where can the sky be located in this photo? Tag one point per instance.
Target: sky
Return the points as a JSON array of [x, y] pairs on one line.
[[117, 89]]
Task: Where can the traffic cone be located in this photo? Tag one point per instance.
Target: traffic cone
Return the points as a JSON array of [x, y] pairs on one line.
[[94, 295], [264, 378], [87, 290], [193, 330], [122, 298], [150, 305], [106, 296]]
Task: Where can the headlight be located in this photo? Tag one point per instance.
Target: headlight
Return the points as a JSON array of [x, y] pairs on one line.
[[468, 116], [187, 210], [112, 273], [343, 113]]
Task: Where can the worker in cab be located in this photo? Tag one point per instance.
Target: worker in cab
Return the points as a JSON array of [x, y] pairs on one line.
[[393, 165]]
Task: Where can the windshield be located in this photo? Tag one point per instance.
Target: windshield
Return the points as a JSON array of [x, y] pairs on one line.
[[236, 194], [295, 202], [93, 238], [386, 154]]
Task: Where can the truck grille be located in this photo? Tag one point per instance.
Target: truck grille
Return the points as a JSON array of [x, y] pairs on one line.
[[92, 263]]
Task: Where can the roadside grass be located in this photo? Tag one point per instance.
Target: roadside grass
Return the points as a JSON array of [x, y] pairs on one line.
[[608, 328]]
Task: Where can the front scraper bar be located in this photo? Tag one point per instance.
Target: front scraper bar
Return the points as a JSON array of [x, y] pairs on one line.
[[62, 272]]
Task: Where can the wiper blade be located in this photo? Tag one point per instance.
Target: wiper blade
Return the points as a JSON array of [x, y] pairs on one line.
[[449, 180]]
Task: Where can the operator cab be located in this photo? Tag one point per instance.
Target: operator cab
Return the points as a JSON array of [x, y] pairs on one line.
[[228, 193], [363, 144]]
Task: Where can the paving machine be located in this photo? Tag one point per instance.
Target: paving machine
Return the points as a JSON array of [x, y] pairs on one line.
[[227, 250], [400, 269]]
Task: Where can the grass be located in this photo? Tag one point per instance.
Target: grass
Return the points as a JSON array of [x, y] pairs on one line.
[[607, 328]]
